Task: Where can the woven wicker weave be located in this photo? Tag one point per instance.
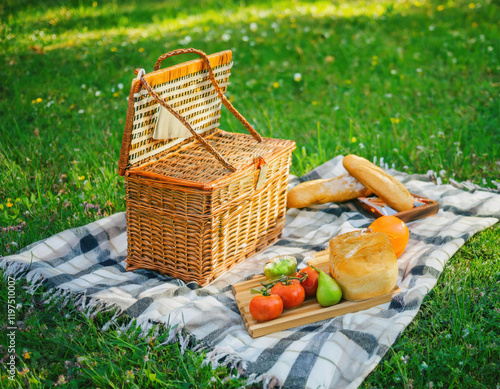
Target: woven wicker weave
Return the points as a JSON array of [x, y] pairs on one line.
[[197, 206]]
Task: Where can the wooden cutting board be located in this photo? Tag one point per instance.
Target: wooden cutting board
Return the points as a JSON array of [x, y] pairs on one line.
[[309, 312]]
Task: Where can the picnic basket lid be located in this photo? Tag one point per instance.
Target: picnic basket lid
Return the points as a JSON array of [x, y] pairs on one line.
[[192, 92]]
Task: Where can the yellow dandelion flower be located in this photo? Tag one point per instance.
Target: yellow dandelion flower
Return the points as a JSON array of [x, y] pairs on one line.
[[26, 355], [395, 120], [348, 82], [9, 204], [375, 58], [116, 94], [374, 63], [474, 24], [353, 139], [39, 100], [114, 49], [472, 5], [81, 178], [141, 49], [33, 101], [314, 102], [94, 4], [276, 85], [440, 7]]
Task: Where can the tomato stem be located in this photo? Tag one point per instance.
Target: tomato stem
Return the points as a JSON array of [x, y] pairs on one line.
[[263, 292], [285, 280], [269, 285]]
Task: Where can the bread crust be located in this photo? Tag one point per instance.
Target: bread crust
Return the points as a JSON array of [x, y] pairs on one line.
[[363, 263], [388, 188], [335, 190]]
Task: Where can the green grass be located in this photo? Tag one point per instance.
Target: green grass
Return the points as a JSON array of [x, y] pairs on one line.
[[413, 82], [454, 340], [59, 345]]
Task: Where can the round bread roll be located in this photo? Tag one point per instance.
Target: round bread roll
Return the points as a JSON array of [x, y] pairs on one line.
[[389, 189], [334, 190], [363, 263]]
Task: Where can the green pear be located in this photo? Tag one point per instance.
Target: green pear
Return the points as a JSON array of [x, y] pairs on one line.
[[329, 292]]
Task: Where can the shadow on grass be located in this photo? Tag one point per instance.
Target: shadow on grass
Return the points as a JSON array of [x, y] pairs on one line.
[[364, 40]]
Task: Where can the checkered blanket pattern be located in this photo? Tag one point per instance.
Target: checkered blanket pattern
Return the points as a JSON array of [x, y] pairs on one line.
[[89, 264]]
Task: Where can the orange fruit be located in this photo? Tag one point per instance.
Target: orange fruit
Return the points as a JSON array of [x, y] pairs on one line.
[[396, 229]]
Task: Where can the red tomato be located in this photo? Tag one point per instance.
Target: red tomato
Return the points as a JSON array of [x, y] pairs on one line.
[[292, 293], [263, 308], [310, 284]]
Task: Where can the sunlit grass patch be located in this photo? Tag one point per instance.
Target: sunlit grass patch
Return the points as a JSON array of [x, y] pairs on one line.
[[410, 84]]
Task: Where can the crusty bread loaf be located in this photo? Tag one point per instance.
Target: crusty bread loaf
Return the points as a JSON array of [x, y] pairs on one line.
[[336, 190], [363, 263], [389, 189]]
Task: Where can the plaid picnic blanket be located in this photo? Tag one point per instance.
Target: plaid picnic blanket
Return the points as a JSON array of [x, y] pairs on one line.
[[89, 262]]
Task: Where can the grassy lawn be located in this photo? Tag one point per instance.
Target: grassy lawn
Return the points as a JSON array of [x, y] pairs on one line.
[[416, 83]]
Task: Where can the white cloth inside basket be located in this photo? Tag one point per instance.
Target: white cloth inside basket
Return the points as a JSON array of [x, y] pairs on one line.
[[169, 127]]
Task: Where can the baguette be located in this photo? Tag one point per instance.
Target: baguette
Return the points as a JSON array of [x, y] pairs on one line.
[[336, 190], [389, 189]]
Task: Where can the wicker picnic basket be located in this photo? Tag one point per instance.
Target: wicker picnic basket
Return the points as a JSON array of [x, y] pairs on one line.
[[200, 202]]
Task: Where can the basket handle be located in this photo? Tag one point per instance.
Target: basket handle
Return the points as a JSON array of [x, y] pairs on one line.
[[198, 137], [223, 98]]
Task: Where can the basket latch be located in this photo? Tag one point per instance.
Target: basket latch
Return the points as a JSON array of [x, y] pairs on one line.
[[263, 167]]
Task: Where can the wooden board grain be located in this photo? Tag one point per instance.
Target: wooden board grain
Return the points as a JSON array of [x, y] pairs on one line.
[[372, 206], [309, 312]]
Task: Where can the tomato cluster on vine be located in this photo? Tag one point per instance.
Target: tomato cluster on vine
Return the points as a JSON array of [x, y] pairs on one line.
[[285, 292]]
